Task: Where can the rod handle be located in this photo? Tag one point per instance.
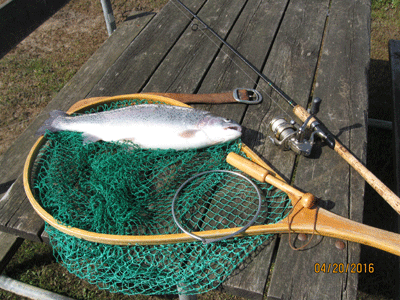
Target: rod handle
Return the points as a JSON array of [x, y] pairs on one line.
[[391, 198], [373, 181]]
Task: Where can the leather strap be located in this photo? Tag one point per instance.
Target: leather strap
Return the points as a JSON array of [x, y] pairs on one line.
[[251, 96], [217, 98]]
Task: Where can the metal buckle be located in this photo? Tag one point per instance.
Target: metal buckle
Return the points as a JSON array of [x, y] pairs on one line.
[[254, 96]]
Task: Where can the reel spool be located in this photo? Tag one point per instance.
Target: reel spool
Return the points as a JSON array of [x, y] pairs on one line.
[[299, 139], [288, 136]]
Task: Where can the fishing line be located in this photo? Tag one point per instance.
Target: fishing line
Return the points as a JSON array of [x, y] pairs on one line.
[[245, 73], [240, 56]]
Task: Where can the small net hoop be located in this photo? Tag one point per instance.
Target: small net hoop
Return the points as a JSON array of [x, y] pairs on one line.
[[240, 230]]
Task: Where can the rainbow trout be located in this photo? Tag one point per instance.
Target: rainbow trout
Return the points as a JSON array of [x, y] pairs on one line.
[[150, 126]]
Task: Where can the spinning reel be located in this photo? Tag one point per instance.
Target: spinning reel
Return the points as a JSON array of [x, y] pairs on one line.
[[299, 139]]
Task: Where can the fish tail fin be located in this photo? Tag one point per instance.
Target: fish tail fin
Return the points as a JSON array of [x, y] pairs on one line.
[[49, 123]]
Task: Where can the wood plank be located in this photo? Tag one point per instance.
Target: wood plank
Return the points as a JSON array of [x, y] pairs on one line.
[[394, 56], [249, 279], [291, 66], [77, 88], [141, 59], [187, 63], [9, 245], [252, 35], [240, 284], [45, 237], [343, 89], [256, 25], [18, 216]]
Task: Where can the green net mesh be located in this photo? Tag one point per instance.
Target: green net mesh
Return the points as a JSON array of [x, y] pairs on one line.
[[120, 189]]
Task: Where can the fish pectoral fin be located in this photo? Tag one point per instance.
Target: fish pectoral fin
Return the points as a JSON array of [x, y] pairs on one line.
[[89, 138], [187, 134]]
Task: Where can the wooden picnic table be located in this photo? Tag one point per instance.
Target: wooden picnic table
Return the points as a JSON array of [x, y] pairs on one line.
[[309, 49]]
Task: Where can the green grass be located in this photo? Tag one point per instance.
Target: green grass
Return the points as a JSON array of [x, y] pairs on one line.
[[386, 4]]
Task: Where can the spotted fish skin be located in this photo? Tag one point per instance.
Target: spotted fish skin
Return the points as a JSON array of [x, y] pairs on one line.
[[153, 126]]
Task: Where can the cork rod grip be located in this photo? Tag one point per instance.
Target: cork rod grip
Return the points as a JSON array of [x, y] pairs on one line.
[[373, 181]]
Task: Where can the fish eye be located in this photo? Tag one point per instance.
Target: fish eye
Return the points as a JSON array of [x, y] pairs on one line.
[[227, 120]]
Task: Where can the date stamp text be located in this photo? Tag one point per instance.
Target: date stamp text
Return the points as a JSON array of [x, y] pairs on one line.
[[335, 268]]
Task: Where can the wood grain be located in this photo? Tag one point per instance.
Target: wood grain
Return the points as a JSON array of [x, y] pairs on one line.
[[137, 64], [185, 66], [253, 35], [340, 82]]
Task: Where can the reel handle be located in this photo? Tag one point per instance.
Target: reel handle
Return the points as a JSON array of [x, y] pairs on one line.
[[373, 181], [316, 103]]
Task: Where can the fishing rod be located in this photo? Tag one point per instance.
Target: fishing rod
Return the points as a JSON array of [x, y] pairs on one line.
[[249, 64], [294, 137], [300, 146]]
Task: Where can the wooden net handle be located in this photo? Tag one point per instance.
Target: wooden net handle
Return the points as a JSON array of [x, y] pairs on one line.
[[308, 218], [261, 174], [373, 181]]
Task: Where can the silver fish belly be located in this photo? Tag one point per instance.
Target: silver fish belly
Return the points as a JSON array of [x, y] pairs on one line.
[[153, 126]]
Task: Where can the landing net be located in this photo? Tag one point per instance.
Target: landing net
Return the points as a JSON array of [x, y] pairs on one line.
[[120, 189]]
